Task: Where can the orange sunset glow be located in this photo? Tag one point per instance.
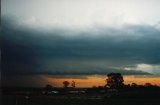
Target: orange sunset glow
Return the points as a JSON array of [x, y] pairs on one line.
[[91, 81], [81, 81]]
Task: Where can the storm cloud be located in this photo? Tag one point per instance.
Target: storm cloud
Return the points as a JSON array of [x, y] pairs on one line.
[[58, 51]]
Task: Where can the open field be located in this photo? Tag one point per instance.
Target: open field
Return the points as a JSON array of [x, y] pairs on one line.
[[120, 98]]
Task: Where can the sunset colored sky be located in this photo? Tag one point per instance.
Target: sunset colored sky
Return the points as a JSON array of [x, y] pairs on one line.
[[91, 81], [46, 38], [81, 81]]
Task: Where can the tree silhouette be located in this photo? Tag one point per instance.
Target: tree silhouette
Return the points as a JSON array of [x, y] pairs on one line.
[[148, 85], [49, 87], [114, 80], [73, 84], [65, 84], [134, 85]]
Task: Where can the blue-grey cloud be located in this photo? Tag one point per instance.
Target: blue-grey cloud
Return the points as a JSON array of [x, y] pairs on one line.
[[26, 50]]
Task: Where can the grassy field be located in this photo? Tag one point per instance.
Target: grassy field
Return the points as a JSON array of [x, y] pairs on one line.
[[122, 98]]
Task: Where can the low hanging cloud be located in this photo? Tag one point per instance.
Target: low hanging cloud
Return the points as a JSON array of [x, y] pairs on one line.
[[99, 50]]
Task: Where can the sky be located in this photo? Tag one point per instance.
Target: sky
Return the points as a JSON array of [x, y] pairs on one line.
[[79, 37]]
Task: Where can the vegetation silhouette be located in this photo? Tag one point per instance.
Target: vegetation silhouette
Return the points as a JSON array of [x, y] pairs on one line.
[[66, 84], [115, 92], [134, 85], [73, 84], [49, 87], [114, 80]]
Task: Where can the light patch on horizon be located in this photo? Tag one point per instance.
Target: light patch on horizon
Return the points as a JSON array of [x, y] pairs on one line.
[[153, 69]]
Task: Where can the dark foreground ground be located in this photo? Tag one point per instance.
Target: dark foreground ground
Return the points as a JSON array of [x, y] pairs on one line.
[[129, 97]]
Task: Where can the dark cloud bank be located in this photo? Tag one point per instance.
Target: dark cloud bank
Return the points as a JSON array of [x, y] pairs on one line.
[[27, 51]]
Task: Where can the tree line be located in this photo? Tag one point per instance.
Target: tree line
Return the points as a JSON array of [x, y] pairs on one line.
[[113, 81]]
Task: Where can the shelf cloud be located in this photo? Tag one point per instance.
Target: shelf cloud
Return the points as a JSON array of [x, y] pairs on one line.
[[98, 50]]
